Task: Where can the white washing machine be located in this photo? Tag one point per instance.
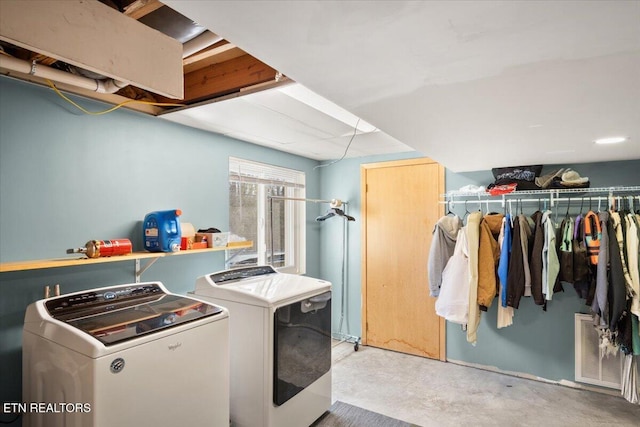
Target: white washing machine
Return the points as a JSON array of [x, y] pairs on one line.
[[280, 344], [130, 355]]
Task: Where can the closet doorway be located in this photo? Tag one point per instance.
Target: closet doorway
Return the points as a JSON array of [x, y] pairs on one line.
[[399, 210]]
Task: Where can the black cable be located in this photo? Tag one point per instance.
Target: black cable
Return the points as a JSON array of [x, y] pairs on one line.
[[355, 130]]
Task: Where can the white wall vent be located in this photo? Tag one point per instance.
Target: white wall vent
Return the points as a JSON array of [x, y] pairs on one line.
[[590, 369]]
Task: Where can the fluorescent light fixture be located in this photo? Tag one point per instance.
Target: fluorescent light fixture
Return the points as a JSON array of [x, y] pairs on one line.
[[313, 100], [611, 140]]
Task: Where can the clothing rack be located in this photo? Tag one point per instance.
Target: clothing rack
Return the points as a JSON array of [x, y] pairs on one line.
[[338, 202], [553, 196], [334, 203]]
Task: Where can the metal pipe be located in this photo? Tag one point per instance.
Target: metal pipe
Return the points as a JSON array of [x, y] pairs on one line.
[[42, 71]]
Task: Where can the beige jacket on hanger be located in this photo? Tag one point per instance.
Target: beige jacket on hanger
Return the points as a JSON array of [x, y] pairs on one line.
[[488, 257], [473, 240]]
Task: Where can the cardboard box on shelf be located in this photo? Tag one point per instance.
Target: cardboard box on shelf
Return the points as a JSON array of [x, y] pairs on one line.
[[214, 240]]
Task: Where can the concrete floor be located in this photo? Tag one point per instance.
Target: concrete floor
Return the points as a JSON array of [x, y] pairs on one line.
[[432, 393]]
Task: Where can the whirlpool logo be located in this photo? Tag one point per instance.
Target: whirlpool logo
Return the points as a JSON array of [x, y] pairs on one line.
[[174, 346], [117, 365]]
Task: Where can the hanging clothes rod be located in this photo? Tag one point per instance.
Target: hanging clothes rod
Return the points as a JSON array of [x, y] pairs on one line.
[[309, 200], [541, 199], [552, 200]]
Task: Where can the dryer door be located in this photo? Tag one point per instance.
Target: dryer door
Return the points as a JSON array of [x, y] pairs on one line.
[[302, 345]]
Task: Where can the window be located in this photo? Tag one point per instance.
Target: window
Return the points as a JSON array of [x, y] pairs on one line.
[[261, 210]]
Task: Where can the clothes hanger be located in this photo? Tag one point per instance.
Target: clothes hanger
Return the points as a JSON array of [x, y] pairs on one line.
[[521, 207], [466, 211], [326, 216], [449, 211], [511, 214], [341, 213], [333, 212]]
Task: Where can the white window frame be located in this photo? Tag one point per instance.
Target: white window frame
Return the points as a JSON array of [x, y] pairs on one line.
[[295, 210]]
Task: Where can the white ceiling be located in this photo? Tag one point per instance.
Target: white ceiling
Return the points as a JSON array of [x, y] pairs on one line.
[[471, 84], [276, 119]]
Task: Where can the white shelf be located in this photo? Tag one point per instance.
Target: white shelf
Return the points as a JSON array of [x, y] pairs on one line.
[[555, 191], [553, 196]]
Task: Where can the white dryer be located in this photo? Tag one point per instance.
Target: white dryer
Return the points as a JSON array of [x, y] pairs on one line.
[[280, 344], [130, 355]]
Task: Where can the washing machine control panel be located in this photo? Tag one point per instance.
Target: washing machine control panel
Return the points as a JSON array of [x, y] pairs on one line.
[[241, 273], [86, 300]]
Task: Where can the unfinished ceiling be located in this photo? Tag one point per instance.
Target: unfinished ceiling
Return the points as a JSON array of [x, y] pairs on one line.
[[222, 88], [210, 66]]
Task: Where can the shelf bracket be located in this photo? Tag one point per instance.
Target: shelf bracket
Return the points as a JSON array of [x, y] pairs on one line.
[[140, 270]]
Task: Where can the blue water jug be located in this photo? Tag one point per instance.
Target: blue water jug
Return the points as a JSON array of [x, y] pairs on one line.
[[161, 231]]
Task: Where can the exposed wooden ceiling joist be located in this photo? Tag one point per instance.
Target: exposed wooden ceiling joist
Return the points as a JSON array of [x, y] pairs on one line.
[[140, 8], [226, 77], [210, 56]]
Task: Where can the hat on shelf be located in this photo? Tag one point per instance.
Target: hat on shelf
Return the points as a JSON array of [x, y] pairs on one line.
[[545, 180], [572, 177], [569, 179]]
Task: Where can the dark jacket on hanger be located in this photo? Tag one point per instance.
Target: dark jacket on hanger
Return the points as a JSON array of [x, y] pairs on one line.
[[535, 259], [526, 234], [617, 286], [515, 278], [580, 258]]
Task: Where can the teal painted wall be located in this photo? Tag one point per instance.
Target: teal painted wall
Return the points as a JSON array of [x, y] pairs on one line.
[[67, 177], [539, 343]]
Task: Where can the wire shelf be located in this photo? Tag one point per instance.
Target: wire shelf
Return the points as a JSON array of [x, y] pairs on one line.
[[554, 191], [553, 196]]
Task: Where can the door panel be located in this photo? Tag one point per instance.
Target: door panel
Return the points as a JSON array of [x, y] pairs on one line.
[[400, 208]]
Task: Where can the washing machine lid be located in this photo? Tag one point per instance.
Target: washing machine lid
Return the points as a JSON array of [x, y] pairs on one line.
[[260, 285], [114, 315]]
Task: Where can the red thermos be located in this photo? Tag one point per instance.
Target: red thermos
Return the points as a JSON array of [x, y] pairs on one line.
[[104, 248]]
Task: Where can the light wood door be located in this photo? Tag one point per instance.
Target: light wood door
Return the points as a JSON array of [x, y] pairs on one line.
[[400, 207]]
